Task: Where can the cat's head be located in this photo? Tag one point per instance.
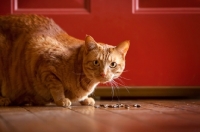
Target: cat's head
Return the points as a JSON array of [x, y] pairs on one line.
[[103, 63]]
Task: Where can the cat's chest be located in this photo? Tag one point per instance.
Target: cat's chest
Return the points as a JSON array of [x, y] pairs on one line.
[[87, 92], [80, 91]]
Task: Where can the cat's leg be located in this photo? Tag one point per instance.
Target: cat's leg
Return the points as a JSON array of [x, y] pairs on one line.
[[59, 97], [4, 101], [88, 101], [57, 91], [65, 102]]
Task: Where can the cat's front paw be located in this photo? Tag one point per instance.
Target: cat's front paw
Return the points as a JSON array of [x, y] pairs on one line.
[[4, 101], [88, 101], [63, 102]]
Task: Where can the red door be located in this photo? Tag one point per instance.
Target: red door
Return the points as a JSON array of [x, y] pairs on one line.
[[164, 35]]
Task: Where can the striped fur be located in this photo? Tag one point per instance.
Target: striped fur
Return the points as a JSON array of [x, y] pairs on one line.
[[40, 63]]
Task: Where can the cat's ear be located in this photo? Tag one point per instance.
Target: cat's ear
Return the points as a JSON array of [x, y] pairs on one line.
[[123, 47], [90, 43]]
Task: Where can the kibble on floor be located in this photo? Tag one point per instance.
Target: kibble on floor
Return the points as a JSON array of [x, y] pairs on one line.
[[126, 106]]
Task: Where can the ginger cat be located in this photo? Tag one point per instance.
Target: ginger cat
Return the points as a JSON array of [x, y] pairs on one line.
[[41, 63]]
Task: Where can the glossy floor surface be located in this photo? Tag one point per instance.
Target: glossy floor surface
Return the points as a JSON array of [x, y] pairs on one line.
[[152, 116]]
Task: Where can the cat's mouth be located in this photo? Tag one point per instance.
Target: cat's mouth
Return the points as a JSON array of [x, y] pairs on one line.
[[104, 80]]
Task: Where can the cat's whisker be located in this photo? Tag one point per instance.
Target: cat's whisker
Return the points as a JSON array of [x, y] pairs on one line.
[[122, 84], [126, 71], [124, 78], [112, 86], [116, 86], [112, 91]]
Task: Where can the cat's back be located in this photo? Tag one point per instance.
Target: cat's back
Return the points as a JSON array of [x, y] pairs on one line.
[[24, 23]]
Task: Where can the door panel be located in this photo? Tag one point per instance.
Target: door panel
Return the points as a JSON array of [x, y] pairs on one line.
[[45, 4], [166, 6], [50, 7], [168, 3], [164, 35]]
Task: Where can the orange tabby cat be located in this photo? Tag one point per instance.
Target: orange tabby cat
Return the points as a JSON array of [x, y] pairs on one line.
[[40, 63]]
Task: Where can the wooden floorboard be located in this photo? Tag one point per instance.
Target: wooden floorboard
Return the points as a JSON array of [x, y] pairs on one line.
[[153, 116]]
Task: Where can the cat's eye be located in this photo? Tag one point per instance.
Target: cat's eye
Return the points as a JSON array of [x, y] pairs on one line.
[[96, 63], [113, 65]]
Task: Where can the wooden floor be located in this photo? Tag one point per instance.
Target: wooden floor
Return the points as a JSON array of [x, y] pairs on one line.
[[152, 116]]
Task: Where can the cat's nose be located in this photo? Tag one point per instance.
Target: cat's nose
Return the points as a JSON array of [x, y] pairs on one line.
[[103, 74]]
